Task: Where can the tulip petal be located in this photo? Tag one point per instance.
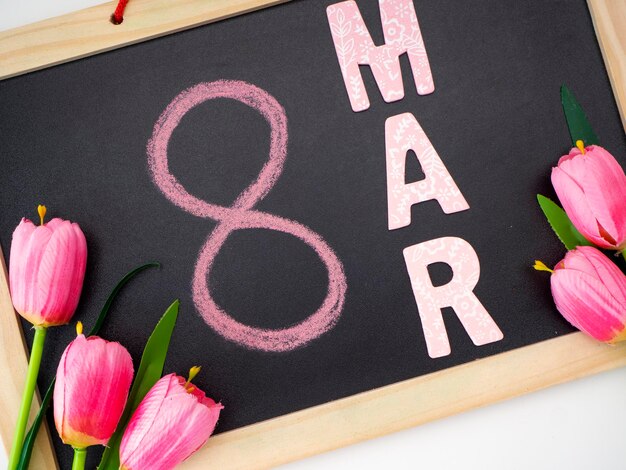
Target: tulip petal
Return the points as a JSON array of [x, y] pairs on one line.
[[55, 275], [576, 260], [62, 272], [169, 425], [169, 448], [575, 203], [605, 188], [603, 269], [143, 418], [573, 164], [17, 263], [59, 393], [80, 252], [93, 380], [47, 268], [587, 304], [34, 255]]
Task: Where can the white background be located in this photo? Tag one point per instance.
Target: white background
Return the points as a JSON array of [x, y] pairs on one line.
[[579, 426]]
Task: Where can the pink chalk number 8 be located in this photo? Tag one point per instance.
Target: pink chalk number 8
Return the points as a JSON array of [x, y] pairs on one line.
[[241, 215]]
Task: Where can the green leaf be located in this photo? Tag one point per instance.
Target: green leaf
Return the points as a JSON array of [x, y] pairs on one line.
[[150, 371], [560, 223], [579, 127], [29, 440], [114, 292]]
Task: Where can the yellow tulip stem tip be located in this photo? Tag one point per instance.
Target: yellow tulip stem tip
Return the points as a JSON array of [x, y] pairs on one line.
[[581, 146], [192, 374], [540, 266], [41, 210], [79, 328]]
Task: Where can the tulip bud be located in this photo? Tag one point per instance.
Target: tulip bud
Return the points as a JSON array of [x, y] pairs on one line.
[[589, 290], [92, 383], [46, 270], [591, 185], [174, 419]]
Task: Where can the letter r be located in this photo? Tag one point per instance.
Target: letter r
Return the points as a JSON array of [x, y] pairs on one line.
[[458, 293]]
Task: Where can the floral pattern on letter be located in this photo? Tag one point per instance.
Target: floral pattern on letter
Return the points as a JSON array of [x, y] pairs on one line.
[[458, 293], [354, 47], [403, 133]]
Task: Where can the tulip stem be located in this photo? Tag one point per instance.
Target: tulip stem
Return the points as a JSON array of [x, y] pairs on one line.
[[80, 455], [27, 397], [624, 254]]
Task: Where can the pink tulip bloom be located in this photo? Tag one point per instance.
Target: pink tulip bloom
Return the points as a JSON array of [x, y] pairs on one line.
[[173, 420], [591, 185], [46, 270], [590, 292], [91, 389]]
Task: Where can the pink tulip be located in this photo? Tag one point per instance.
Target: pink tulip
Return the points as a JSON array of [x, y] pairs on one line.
[[91, 389], [591, 185], [173, 420], [590, 292], [46, 270]]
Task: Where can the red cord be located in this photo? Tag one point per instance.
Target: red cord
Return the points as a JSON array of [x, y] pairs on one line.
[[118, 15]]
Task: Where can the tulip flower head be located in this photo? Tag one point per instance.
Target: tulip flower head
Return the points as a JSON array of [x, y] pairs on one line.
[[46, 270], [92, 383], [589, 290], [591, 185], [174, 419]]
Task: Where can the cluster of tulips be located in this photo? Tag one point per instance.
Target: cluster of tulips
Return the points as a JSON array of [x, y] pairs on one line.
[[174, 419], [588, 288]]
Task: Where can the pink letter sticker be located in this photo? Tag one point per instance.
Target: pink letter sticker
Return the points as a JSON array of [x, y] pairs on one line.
[[242, 215], [354, 47], [403, 133], [458, 293]]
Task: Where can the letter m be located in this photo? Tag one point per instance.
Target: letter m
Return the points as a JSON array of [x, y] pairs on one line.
[[354, 47]]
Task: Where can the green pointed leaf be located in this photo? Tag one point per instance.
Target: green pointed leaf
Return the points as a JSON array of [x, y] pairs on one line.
[[113, 295], [149, 372], [579, 127], [29, 440], [560, 223]]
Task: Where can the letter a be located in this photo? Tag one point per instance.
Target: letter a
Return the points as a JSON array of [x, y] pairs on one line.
[[354, 47], [458, 293], [403, 133]]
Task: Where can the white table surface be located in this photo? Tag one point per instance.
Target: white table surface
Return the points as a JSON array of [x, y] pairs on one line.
[[580, 425]]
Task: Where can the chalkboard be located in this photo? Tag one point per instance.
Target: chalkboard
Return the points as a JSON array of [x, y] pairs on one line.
[[76, 137]]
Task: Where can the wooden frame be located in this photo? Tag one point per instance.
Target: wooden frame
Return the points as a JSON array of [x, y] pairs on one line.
[[342, 422]]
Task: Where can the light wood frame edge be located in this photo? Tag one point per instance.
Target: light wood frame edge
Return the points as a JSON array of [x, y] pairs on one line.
[[406, 404], [342, 422], [609, 21], [89, 31]]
